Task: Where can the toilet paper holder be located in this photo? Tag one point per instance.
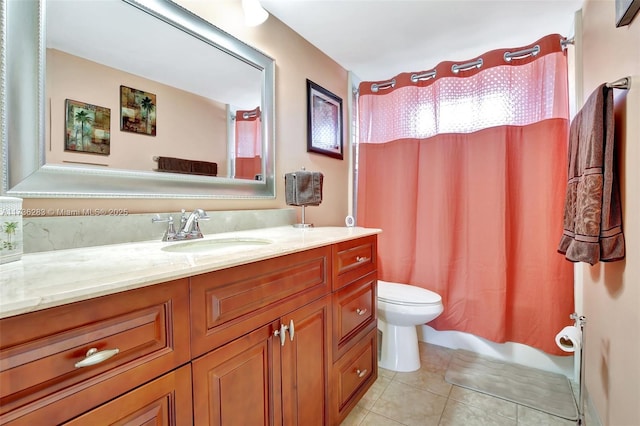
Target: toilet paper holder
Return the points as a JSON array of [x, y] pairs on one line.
[[580, 321]]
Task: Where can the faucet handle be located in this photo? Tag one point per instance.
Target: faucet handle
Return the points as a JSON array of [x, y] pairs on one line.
[[170, 233]]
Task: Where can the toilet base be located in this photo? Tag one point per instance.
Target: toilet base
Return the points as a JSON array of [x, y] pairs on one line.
[[399, 348]]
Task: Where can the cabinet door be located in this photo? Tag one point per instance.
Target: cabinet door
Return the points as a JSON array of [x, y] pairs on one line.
[[239, 383], [165, 401], [305, 362]]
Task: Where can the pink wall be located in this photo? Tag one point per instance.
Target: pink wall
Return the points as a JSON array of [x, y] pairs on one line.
[[296, 60], [612, 290], [182, 118]]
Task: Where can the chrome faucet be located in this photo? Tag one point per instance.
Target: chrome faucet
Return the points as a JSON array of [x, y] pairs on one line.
[[189, 226]]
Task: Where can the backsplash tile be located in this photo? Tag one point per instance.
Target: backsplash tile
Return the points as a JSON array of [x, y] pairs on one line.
[[65, 232]]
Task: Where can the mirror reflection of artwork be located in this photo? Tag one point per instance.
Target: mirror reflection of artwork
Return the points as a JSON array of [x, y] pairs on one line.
[[88, 128], [137, 111]]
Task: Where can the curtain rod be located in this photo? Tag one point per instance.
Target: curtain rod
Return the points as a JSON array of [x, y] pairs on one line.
[[566, 41], [508, 56], [623, 83]]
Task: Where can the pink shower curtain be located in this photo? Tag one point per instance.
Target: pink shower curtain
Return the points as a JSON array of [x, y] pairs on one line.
[[248, 160], [465, 174]]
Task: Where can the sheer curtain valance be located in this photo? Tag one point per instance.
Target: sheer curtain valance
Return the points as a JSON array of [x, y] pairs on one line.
[[515, 92]]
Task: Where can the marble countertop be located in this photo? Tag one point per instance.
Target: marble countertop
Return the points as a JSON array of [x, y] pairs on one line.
[[48, 279]]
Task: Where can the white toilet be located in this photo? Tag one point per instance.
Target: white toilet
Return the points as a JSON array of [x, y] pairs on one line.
[[401, 308]]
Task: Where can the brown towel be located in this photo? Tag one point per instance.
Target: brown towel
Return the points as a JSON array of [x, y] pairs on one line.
[[180, 165], [593, 215], [303, 188], [170, 164], [204, 168]]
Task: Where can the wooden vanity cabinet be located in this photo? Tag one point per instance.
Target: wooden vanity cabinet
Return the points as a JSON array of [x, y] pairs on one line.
[[288, 340], [163, 401], [259, 379], [354, 307], [277, 372], [41, 382]]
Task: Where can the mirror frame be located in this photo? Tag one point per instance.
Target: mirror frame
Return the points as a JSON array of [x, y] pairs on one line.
[[25, 173]]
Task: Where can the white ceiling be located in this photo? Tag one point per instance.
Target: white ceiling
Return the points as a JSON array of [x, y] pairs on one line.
[[378, 39]]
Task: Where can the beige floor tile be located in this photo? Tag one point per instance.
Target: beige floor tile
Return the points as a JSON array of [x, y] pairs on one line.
[[386, 373], [486, 402], [409, 405], [373, 419], [530, 417], [434, 358], [374, 392], [356, 416], [459, 414], [426, 380]]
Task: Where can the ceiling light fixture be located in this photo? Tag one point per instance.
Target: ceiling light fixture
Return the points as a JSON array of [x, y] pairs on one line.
[[254, 13]]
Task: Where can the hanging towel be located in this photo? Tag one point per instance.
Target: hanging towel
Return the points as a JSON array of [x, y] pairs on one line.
[[303, 188], [593, 214]]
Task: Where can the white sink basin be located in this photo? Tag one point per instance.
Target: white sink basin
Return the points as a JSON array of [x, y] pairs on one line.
[[220, 244]]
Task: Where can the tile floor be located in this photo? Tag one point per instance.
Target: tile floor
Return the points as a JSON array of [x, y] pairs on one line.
[[424, 398]]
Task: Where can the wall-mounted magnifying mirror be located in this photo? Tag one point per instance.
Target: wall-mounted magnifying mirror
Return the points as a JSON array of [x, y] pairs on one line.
[[133, 98]]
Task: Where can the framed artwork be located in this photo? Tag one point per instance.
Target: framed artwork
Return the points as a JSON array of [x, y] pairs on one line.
[[324, 121], [626, 10], [87, 128], [137, 111]]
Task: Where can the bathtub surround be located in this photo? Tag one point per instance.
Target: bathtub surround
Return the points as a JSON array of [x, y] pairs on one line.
[[97, 227]]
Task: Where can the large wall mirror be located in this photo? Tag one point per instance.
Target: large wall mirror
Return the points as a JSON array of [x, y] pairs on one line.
[[132, 98]]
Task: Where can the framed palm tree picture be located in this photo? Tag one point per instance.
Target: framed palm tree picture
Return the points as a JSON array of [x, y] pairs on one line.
[[137, 111], [87, 128]]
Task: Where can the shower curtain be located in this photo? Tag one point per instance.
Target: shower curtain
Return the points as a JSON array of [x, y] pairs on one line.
[[248, 158], [464, 172]]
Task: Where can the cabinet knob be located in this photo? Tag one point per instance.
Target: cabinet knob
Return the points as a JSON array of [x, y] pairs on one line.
[[282, 334], [361, 311], [94, 357], [361, 373], [361, 259], [291, 330]]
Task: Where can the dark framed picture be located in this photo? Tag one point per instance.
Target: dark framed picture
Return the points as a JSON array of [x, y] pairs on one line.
[[324, 121], [137, 111], [626, 10], [87, 128]]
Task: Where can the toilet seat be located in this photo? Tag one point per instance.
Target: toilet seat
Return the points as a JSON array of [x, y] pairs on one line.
[[406, 295]]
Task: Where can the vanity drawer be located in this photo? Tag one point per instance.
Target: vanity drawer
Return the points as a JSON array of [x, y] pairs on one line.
[[354, 374], [353, 259], [164, 401], [40, 381], [231, 302], [354, 312]]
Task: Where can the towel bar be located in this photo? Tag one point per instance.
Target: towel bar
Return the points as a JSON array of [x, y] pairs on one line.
[[623, 83]]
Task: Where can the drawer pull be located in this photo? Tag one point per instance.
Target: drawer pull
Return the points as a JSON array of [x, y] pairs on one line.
[[282, 334], [361, 373], [361, 311], [96, 357], [362, 259], [291, 330]]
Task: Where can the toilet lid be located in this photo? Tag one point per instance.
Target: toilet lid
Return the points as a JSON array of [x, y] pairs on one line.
[[403, 294]]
